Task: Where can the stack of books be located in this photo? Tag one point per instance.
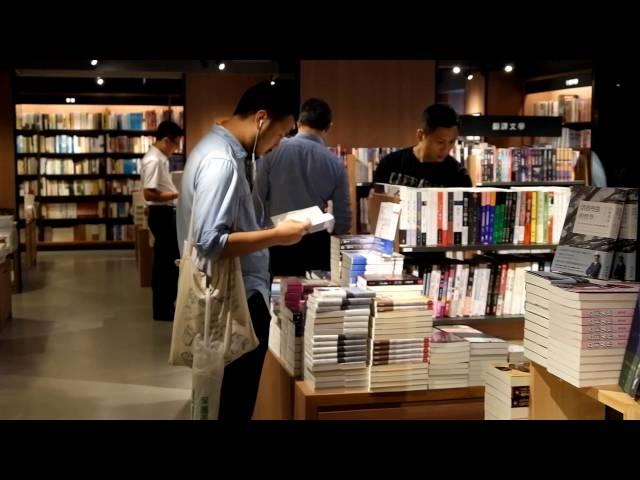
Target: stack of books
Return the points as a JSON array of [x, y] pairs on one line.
[[359, 264], [449, 361], [347, 243], [291, 313], [506, 391], [484, 349], [536, 317], [589, 326], [336, 337], [401, 330]]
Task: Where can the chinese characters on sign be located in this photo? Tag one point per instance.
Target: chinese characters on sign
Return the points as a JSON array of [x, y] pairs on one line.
[[500, 126]]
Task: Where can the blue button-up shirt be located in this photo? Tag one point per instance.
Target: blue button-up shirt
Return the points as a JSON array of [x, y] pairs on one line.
[[300, 173], [215, 174]]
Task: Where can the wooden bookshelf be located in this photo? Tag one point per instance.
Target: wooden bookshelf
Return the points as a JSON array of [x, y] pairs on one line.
[[101, 156]]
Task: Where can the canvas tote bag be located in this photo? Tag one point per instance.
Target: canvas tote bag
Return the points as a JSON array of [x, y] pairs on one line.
[[229, 320]]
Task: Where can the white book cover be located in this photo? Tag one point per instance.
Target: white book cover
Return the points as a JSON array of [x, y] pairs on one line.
[[318, 219]]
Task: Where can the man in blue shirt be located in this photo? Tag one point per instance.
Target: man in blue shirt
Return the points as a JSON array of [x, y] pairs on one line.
[[303, 173], [218, 174]]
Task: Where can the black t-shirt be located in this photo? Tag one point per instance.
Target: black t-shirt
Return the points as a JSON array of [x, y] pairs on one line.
[[402, 167]]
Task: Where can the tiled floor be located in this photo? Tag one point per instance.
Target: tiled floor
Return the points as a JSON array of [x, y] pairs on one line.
[[82, 345]]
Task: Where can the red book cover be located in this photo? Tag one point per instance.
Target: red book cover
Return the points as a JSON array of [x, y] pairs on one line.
[[527, 219]]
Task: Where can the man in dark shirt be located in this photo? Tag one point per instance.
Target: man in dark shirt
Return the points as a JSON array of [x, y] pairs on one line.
[[427, 163]]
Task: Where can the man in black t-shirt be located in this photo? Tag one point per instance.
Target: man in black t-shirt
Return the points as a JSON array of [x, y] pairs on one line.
[[427, 163]]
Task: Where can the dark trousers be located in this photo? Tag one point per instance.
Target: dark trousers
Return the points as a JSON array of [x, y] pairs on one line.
[[164, 276], [242, 376], [311, 253]]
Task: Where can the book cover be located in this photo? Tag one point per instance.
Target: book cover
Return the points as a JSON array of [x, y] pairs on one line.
[[630, 374], [590, 232], [624, 264]]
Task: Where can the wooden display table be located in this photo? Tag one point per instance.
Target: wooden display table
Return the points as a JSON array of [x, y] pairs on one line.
[[275, 395], [554, 399], [449, 404], [281, 397]]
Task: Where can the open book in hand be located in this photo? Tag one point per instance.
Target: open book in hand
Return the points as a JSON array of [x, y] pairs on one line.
[[318, 219]]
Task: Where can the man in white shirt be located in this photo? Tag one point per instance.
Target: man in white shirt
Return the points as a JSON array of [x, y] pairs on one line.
[[160, 195]]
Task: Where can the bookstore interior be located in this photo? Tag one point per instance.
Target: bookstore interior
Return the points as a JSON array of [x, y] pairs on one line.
[[510, 295]]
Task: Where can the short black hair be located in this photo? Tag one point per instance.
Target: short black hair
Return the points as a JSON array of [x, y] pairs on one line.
[[169, 129], [315, 113], [439, 115], [279, 99]]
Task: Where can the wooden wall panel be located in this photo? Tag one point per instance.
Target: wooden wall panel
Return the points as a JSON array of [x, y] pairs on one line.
[[375, 103], [7, 157], [211, 97]]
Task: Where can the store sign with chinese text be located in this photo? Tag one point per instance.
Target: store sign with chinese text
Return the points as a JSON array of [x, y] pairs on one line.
[[510, 126]]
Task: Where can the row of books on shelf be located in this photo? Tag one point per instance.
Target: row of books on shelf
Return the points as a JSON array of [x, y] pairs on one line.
[[480, 216], [63, 188], [127, 166], [81, 210], [28, 187], [570, 107], [89, 233], [490, 164], [130, 144], [76, 144], [59, 144], [68, 166], [147, 120], [569, 138], [471, 290]]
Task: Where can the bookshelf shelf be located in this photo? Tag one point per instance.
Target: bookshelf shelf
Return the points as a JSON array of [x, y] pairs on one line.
[[129, 133], [79, 132], [71, 176], [123, 155], [83, 198], [62, 222], [62, 155], [122, 175], [27, 176], [532, 184], [89, 132], [485, 248]]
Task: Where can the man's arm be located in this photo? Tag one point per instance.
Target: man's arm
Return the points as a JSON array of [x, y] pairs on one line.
[[215, 209], [244, 243]]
